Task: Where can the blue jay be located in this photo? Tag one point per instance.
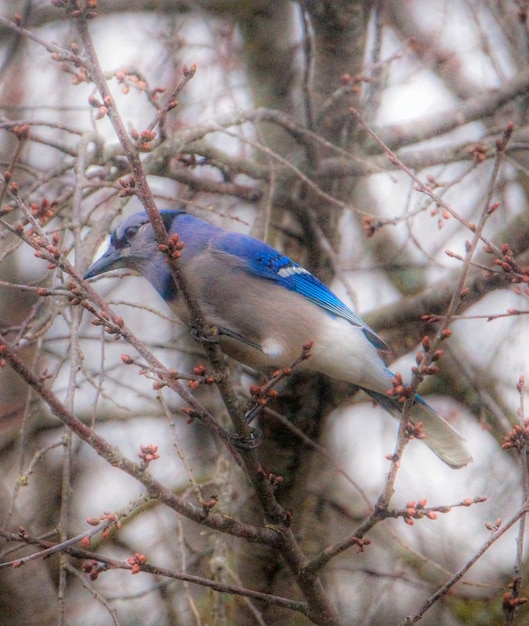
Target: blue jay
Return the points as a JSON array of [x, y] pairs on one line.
[[265, 307]]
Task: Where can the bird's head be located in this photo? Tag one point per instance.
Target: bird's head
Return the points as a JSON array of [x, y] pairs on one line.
[[133, 245]]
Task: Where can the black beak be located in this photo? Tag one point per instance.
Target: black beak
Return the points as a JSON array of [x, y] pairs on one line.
[[112, 259]]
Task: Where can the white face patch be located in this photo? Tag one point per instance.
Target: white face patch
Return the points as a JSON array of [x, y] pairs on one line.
[[285, 272], [273, 348]]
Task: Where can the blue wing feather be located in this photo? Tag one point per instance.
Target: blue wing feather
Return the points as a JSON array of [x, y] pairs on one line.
[[265, 262]]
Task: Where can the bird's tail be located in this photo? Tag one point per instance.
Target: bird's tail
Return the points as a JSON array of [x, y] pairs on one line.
[[439, 436]]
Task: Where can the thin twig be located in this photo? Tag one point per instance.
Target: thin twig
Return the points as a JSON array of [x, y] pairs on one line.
[[442, 591]]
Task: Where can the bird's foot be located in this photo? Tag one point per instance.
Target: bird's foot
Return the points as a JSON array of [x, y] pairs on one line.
[[212, 337], [245, 444]]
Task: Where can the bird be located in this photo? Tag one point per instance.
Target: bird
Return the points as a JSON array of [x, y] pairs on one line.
[[265, 307]]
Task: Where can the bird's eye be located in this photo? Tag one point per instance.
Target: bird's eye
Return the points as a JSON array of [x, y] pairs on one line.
[[130, 232]]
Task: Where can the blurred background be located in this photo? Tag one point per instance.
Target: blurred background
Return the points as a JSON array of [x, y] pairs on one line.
[[263, 142]]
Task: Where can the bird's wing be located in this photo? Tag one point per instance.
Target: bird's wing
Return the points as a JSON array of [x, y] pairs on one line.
[[263, 261]]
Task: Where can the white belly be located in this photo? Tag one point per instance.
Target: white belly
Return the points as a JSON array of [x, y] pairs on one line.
[[343, 352]]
